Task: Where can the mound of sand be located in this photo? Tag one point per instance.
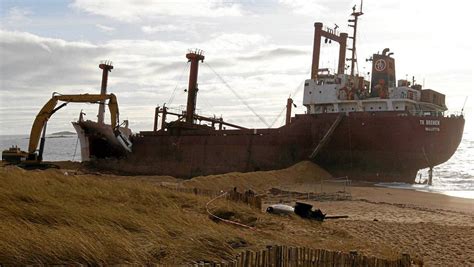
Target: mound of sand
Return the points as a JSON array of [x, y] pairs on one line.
[[301, 173]]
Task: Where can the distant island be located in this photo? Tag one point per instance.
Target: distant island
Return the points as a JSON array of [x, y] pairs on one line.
[[62, 134]]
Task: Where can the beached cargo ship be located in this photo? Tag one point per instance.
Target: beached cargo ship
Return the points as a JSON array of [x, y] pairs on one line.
[[379, 130]]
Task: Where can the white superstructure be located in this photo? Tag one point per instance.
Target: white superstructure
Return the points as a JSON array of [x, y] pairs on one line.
[[334, 93]]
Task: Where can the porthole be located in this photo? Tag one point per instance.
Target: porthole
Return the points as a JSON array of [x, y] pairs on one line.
[[371, 107]]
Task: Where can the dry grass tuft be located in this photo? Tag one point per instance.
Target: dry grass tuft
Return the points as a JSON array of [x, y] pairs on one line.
[[48, 217]]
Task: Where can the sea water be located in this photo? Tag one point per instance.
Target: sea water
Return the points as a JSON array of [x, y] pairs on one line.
[[454, 177]]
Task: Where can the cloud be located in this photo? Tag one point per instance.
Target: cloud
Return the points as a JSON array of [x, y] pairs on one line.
[[145, 74], [222, 42], [161, 28], [17, 15], [275, 52], [29, 60], [305, 7], [132, 11], [105, 28]]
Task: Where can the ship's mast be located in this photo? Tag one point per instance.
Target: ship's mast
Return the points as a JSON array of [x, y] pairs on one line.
[[194, 57], [356, 15], [330, 34], [106, 67]]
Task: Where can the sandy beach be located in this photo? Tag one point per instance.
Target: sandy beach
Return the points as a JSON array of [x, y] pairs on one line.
[[438, 229], [133, 213], [435, 228]]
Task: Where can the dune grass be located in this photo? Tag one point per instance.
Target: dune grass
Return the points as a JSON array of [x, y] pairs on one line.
[[48, 217]]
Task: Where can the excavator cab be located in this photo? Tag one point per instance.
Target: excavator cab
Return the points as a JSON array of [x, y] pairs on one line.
[[14, 155]]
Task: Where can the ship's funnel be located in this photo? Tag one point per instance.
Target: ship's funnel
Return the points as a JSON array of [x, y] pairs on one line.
[[383, 74]]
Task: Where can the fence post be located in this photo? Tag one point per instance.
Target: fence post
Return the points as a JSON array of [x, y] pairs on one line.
[[271, 256], [276, 253], [242, 259], [247, 258], [304, 257], [283, 256], [264, 258], [406, 261], [274, 256], [258, 256]]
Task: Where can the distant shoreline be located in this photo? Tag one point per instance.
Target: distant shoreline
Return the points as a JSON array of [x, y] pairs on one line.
[[62, 133]]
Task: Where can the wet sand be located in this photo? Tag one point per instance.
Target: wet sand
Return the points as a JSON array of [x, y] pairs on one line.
[[410, 197]]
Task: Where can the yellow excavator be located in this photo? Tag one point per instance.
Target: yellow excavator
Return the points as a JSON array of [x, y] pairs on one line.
[[34, 156]]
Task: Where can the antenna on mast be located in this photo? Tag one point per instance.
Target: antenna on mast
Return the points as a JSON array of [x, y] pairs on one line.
[[462, 110], [356, 15]]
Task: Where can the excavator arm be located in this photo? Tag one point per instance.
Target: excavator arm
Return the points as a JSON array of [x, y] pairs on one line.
[[50, 108]]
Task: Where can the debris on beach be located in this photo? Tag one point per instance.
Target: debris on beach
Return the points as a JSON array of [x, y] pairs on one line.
[[280, 209], [304, 210]]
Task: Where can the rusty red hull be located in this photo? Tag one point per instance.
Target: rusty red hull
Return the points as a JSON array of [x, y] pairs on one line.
[[380, 146]]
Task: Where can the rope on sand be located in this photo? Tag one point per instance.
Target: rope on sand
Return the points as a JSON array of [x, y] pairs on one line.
[[225, 220]]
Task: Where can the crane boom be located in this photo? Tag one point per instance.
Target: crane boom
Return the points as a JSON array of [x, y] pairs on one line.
[[50, 108]]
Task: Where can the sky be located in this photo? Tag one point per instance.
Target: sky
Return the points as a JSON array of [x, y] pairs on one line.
[[261, 49]]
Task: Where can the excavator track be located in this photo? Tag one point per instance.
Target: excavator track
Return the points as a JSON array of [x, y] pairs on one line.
[[37, 166]]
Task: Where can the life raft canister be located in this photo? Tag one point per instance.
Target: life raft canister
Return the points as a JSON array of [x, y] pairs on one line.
[[351, 94]]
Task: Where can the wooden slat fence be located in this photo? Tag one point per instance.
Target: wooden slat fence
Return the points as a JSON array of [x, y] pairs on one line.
[[195, 191], [281, 256], [276, 193], [248, 197]]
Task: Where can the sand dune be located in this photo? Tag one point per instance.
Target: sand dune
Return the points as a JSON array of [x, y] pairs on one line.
[[302, 173]]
